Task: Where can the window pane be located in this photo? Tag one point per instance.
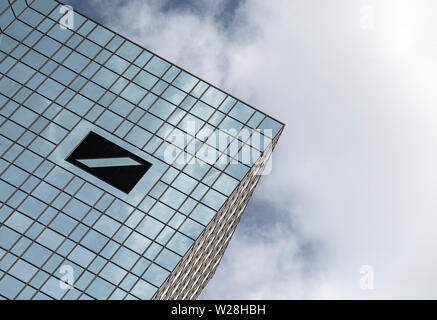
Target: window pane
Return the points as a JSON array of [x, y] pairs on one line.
[[241, 112], [213, 97], [185, 81], [129, 51], [101, 35], [157, 66]]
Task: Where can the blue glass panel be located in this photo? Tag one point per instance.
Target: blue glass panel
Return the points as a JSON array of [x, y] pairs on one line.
[[129, 51], [156, 275], [117, 64], [214, 199], [157, 66], [44, 6], [19, 6], [174, 95], [18, 30], [180, 243], [213, 97], [255, 120], [191, 228], [88, 48], [162, 108], [145, 79], [185, 81], [168, 259], [105, 77], [101, 35], [32, 17], [241, 112], [143, 290], [270, 124], [225, 184], [202, 110], [6, 17]]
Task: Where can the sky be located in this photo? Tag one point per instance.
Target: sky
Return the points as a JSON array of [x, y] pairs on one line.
[[354, 180]]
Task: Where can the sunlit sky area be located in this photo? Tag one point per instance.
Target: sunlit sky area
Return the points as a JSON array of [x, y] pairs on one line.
[[354, 180]]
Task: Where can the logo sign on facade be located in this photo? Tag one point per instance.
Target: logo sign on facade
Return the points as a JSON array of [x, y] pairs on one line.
[[109, 162]]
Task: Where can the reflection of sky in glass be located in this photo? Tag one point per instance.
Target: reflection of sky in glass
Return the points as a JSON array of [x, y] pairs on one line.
[[59, 85]]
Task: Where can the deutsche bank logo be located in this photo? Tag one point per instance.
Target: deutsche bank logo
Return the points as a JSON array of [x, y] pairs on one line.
[[109, 162]]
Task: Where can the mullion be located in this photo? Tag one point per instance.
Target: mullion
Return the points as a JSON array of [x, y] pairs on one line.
[[153, 54], [76, 220], [132, 212], [194, 138], [79, 222], [231, 117], [78, 199], [36, 70], [55, 251], [142, 99], [120, 76], [78, 242], [231, 223], [72, 81]]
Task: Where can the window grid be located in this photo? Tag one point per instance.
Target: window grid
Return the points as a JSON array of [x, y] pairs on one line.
[[227, 114], [22, 185], [146, 129], [168, 86], [199, 160]]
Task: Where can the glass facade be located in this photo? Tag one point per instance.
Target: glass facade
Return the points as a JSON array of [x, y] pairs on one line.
[[58, 84]]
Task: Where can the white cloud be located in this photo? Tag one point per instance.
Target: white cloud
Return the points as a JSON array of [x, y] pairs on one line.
[[358, 156]]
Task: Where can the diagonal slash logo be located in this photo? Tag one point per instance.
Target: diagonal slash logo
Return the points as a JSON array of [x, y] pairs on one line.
[[109, 162]]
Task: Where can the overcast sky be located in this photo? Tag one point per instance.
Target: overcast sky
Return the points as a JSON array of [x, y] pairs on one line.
[[354, 178]]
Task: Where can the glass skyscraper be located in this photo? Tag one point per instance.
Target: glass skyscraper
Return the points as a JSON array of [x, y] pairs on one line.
[[122, 176]]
